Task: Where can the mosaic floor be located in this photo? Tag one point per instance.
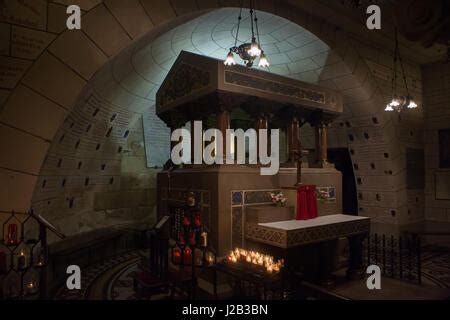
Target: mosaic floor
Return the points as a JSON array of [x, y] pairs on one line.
[[436, 269], [93, 277], [112, 279]]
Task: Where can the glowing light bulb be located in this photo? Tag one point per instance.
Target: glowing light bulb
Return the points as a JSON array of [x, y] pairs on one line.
[[229, 61], [254, 51], [392, 105], [412, 105], [395, 102], [389, 108], [263, 62]]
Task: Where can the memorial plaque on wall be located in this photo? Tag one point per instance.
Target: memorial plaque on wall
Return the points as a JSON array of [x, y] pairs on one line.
[[27, 43], [444, 148], [11, 70], [157, 139], [29, 13], [442, 180]]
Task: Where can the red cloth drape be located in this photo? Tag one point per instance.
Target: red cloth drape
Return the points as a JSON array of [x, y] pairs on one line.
[[306, 202]]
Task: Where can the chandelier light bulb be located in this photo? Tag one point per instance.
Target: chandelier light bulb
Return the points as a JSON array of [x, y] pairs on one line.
[[389, 108], [254, 51], [395, 102], [393, 105], [263, 62], [229, 61], [412, 104]]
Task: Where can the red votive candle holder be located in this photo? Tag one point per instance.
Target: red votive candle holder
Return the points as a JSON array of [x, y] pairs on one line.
[[181, 240], [187, 256], [197, 220], [176, 255], [186, 221], [192, 240], [11, 239]]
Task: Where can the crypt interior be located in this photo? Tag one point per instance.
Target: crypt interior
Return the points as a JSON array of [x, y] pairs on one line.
[[86, 178]]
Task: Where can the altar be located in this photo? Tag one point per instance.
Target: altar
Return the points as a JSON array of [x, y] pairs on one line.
[[284, 238], [199, 88]]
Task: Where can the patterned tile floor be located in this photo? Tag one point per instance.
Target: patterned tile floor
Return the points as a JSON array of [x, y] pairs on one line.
[[436, 269], [112, 279], [91, 276]]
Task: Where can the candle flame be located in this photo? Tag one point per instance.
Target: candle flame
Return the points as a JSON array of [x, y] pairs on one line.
[[255, 258]]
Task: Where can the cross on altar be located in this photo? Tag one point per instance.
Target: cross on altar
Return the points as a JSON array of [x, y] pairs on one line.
[[298, 158]]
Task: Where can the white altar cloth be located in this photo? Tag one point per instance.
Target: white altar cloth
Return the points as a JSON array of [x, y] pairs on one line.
[[316, 222]]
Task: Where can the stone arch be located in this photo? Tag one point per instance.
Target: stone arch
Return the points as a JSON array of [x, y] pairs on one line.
[[60, 74]]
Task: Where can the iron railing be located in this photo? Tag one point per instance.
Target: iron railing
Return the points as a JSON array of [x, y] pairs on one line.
[[397, 257]]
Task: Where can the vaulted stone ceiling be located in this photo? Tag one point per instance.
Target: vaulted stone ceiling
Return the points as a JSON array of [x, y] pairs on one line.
[[138, 73], [416, 19]]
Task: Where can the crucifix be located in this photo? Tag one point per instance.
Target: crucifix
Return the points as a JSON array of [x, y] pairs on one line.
[[298, 158]]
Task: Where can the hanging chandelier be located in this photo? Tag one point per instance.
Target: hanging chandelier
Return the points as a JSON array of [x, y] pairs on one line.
[[248, 52], [399, 103]]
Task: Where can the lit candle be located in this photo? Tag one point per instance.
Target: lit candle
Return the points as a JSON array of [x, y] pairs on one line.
[[249, 259], [176, 255], [41, 260], [187, 254], [21, 260], [269, 269], [210, 259], [31, 287], [204, 239]]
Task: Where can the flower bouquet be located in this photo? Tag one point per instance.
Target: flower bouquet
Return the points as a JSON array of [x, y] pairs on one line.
[[278, 199], [322, 195]]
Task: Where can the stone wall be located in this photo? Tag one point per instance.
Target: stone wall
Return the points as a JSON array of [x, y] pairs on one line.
[[87, 183], [437, 116]]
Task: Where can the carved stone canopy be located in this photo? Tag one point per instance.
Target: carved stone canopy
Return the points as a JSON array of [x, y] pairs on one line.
[[198, 86]]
